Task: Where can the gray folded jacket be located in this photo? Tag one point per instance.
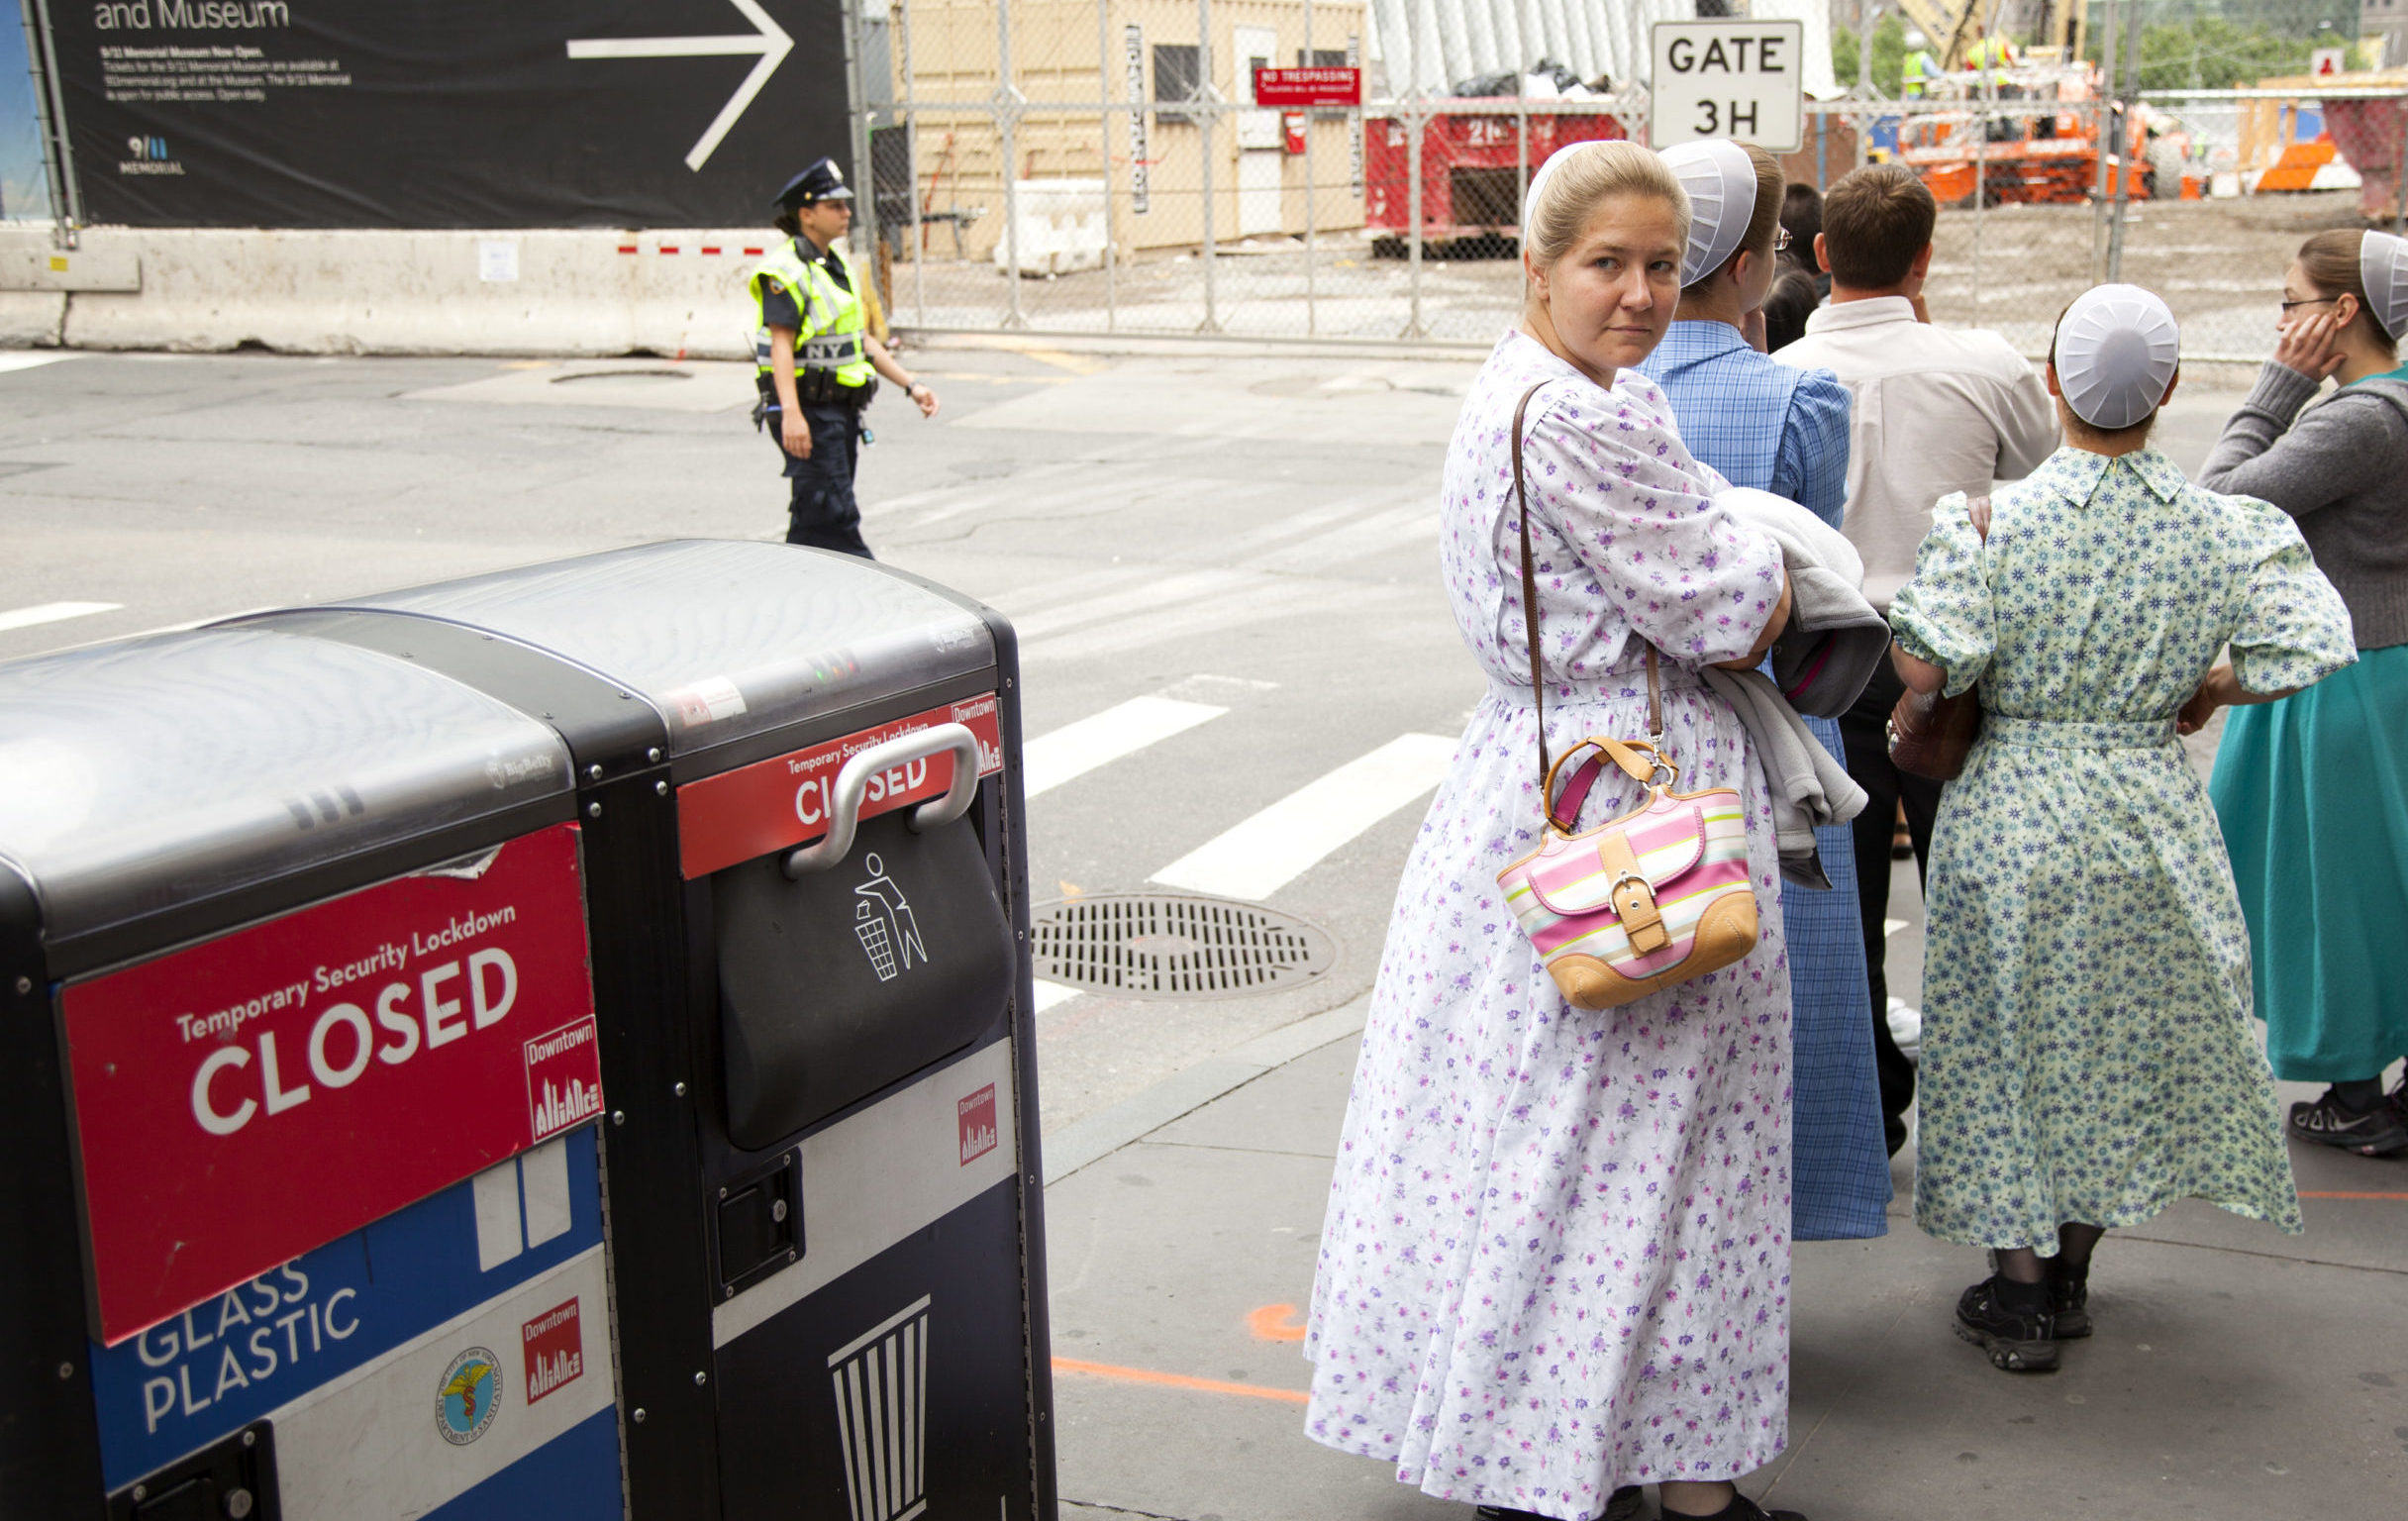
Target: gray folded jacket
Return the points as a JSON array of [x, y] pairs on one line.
[[1835, 639], [1820, 666]]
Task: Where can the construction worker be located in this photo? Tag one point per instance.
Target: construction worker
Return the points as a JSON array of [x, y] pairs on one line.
[[818, 362], [1995, 54], [1918, 66]]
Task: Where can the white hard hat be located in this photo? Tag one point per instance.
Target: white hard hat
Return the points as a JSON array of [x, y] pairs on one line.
[[2117, 349]]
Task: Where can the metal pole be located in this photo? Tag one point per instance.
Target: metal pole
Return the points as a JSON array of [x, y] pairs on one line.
[[911, 152], [2129, 140], [1312, 59], [1981, 184], [1007, 122], [1865, 85], [865, 166], [2400, 172], [2108, 125], [1521, 120], [1208, 118], [49, 114], [1103, 126], [1415, 123]]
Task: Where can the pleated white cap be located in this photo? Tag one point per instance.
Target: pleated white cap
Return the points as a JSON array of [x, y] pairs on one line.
[[2382, 267], [1721, 180], [2117, 349]]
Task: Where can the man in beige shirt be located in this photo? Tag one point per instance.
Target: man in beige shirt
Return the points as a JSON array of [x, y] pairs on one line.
[[1933, 411]]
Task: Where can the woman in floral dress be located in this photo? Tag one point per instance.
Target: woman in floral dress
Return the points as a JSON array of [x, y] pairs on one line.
[[1555, 1264], [2088, 1056]]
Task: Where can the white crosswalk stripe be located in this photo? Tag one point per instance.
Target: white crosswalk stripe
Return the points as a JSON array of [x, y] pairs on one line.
[[52, 612], [1075, 750], [1267, 851]]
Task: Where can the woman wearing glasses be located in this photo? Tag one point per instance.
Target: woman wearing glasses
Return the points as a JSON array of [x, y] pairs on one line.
[[2312, 790]]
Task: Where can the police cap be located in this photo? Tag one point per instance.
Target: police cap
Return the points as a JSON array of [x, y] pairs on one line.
[[822, 181]]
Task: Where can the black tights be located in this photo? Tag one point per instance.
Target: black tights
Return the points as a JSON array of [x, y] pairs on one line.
[[2075, 1243]]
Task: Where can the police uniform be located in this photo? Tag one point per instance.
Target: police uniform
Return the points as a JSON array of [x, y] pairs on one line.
[[817, 297]]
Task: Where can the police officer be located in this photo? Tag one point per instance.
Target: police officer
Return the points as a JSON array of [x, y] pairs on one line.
[[818, 362]]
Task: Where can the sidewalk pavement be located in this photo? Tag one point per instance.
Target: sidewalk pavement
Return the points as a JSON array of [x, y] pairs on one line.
[[2237, 1372]]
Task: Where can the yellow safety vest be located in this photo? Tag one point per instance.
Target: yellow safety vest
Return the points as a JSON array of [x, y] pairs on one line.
[[1918, 64], [1995, 54], [834, 322]]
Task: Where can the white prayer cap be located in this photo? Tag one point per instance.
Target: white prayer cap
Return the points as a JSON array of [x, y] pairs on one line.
[[2382, 267], [1554, 161], [1721, 180], [2117, 349]]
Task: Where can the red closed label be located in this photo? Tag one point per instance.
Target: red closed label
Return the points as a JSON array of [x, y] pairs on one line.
[[555, 1351], [784, 801], [242, 1101]]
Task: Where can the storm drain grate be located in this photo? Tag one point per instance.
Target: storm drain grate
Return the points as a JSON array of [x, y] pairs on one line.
[[1168, 945]]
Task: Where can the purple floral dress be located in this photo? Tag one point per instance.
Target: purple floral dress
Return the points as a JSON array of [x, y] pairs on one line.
[[1557, 1256]]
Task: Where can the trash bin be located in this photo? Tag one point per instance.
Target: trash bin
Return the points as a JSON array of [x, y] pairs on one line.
[[827, 1235], [299, 1093]]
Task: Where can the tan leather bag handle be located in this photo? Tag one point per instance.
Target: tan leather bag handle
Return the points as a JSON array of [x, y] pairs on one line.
[[1530, 631]]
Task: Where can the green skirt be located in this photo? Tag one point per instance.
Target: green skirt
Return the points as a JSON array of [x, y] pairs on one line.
[[2313, 795]]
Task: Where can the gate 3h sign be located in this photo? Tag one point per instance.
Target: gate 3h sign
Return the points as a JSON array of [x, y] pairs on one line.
[[1738, 79]]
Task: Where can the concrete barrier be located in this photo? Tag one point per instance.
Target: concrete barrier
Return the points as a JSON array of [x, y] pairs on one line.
[[311, 291]]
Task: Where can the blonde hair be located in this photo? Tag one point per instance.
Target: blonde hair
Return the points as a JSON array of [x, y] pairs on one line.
[[1576, 179], [1765, 221]]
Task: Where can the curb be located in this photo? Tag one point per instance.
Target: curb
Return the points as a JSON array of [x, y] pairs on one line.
[[1099, 1135]]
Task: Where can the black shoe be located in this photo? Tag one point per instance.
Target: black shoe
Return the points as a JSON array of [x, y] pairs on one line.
[[2068, 1299], [1741, 1508], [2382, 1131], [2018, 1340], [1624, 1504]]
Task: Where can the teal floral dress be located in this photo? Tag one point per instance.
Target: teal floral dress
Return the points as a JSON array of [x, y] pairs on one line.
[[2087, 1055]]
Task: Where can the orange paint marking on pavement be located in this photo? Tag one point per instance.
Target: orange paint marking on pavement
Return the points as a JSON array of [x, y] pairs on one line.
[[1178, 1380], [1275, 1323], [2354, 1196]]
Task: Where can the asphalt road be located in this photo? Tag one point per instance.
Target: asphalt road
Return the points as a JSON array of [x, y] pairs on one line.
[[1223, 569]]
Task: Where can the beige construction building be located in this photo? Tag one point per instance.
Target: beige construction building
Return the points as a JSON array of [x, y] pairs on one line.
[[947, 58]]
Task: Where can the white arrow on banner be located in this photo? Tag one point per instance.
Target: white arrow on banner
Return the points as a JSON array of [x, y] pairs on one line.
[[769, 41]]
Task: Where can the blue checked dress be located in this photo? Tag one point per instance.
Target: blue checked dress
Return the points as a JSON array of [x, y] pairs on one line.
[[1784, 430]]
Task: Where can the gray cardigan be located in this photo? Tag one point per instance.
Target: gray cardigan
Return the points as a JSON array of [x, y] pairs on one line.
[[2341, 470]]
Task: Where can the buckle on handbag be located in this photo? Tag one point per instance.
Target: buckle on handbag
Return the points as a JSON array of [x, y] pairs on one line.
[[1635, 905]]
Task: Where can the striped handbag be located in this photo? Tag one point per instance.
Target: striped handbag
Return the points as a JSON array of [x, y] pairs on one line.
[[1654, 898]]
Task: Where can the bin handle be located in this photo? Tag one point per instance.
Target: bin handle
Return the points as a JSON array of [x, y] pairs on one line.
[[845, 808]]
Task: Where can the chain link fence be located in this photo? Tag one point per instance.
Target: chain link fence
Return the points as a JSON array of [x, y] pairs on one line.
[[1101, 166]]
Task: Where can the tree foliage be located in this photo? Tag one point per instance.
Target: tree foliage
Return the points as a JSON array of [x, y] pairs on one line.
[[1889, 55], [2209, 52]]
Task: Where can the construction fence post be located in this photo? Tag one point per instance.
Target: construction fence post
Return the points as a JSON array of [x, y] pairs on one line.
[[1007, 122], [911, 163], [1208, 123]]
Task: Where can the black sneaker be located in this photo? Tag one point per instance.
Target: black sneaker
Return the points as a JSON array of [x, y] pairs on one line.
[[1741, 1508], [2068, 1299], [2382, 1131], [1624, 1504], [2020, 1342]]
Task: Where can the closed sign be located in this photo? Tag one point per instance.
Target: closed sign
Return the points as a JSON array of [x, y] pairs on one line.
[[1742, 79]]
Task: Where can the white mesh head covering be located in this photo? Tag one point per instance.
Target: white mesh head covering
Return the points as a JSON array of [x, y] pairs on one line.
[[2382, 267], [1554, 161], [1721, 180], [2116, 352]]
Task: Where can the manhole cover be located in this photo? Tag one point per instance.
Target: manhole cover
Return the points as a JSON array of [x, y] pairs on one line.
[[637, 376], [1166, 946]]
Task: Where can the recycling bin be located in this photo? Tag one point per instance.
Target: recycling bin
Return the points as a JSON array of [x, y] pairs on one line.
[[300, 1094], [807, 897]]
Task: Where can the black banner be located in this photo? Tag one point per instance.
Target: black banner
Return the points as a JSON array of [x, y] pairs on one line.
[[447, 113]]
